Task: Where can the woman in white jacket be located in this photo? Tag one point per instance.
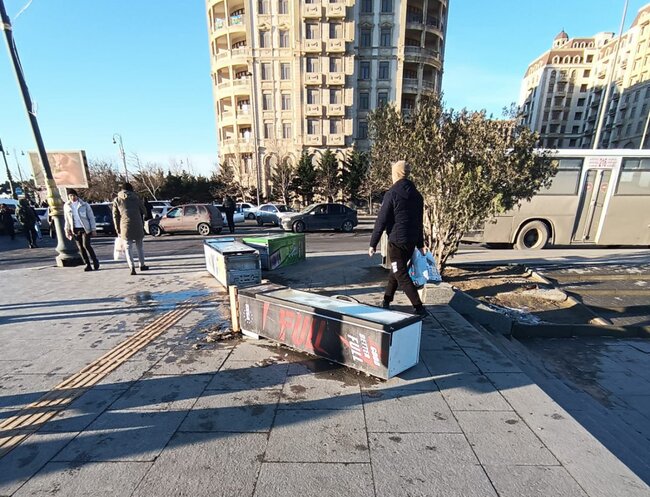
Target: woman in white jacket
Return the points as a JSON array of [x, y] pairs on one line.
[[80, 225]]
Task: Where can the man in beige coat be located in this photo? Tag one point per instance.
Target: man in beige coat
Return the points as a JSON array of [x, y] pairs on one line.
[[128, 215]]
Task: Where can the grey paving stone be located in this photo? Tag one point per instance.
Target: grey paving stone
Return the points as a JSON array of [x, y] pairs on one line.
[[407, 411], [82, 411], [204, 464], [503, 438], [314, 480], [19, 390], [437, 340], [228, 411], [426, 464], [533, 481], [417, 378], [446, 362], [318, 436], [471, 392], [163, 393], [134, 368], [28, 458], [319, 392], [113, 479], [487, 357], [244, 375], [190, 361], [624, 384], [123, 436], [258, 350]]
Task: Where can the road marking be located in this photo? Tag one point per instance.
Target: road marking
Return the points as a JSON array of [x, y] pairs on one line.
[[15, 429]]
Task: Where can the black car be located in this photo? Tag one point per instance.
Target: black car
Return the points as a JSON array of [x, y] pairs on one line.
[[104, 218], [321, 217]]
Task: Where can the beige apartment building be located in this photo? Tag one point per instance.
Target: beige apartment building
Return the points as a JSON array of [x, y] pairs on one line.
[[564, 89], [294, 75]]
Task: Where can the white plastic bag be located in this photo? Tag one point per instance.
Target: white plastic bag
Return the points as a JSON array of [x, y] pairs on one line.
[[119, 249], [423, 269]]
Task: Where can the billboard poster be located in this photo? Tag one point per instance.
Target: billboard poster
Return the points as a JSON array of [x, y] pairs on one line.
[[69, 168]]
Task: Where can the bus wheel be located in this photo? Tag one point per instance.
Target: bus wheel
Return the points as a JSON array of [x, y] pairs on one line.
[[532, 236]]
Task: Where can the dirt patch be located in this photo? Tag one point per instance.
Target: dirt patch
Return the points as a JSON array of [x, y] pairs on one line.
[[518, 293]]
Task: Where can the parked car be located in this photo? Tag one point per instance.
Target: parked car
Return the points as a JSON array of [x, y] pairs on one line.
[[201, 218], [159, 211], [238, 216], [104, 218], [272, 213], [249, 210], [321, 217]]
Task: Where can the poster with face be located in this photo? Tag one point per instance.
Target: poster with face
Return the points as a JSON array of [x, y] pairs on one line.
[[69, 168]]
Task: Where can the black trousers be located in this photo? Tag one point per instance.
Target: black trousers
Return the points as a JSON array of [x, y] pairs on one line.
[[30, 234], [400, 255], [231, 222], [83, 244]]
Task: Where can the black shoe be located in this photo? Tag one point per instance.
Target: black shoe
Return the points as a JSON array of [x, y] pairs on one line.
[[88, 268], [144, 268], [422, 312], [96, 265], [132, 271], [385, 304]]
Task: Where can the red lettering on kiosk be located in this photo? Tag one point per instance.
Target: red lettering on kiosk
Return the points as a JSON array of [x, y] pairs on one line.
[[266, 313]]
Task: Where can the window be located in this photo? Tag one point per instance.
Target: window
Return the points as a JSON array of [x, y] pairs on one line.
[[284, 39], [366, 6], [386, 6], [336, 64], [586, 73], [313, 126], [384, 67], [364, 100], [575, 129], [312, 64], [285, 70], [635, 177], [283, 6], [365, 38], [266, 71], [286, 131], [578, 116], [581, 102], [265, 39], [267, 101], [543, 131], [386, 36], [566, 180], [583, 88], [268, 130], [382, 98], [190, 210], [263, 7], [336, 96], [313, 96], [286, 101], [311, 31], [590, 59], [336, 30], [363, 130], [364, 70], [336, 126], [174, 212]]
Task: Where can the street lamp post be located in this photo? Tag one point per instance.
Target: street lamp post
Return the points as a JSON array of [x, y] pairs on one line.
[[120, 144], [68, 253], [9, 177]]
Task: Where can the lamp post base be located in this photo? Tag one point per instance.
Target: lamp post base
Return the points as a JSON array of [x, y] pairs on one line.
[[68, 260], [68, 253]]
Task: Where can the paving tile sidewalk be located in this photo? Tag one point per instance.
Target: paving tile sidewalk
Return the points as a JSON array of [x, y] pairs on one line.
[[249, 418]]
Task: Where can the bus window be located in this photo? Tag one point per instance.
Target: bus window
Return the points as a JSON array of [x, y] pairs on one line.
[[566, 181], [635, 177]]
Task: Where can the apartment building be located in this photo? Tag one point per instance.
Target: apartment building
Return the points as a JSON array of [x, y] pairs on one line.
[[563, 90], [294, 75]]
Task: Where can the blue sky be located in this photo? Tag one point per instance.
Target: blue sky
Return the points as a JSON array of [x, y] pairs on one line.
[[141, 68]]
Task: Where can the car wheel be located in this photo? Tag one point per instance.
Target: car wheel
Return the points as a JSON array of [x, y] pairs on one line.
[[259, 222], [155, 230], [532, 236], [250, 216], [298, 227], [203, 229], [347, 226]]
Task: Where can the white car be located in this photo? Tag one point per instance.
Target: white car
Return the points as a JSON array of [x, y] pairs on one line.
[[249, 210], [238, 217]]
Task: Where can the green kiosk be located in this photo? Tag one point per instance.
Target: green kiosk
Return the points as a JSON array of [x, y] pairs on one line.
[[278, 250]]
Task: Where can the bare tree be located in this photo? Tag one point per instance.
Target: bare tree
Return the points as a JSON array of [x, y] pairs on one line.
[[149, 177], [103, 181]]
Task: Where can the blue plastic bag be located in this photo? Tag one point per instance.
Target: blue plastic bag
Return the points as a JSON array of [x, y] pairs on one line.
[[423, 269]]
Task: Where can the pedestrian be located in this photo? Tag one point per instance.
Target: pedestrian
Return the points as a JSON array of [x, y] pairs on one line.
[[401, 217], [128, 217], [27, 218], [37, 225], [229, 209], [7, 221], [80, 225]]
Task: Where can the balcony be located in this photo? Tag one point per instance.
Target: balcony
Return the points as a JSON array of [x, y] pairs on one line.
[[335, 78], [434, 23], [410, 85], [418, 54], [238, 21], [313, 78], [333, 10], [314, 110], [311, 10], [234, 146], [336, 110], [336, 140], [235, 56], [312, 46], [335, 46], [227, 118], [314, 140], [218, 23], [414, 21], [243, 116]]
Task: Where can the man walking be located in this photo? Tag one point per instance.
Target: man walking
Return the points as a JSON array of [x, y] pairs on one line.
[[229, 210], [128, 217], [7, 221], [400, 216], [27, 218]]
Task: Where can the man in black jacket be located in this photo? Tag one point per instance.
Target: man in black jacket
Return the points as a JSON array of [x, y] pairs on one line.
[[401, 217]]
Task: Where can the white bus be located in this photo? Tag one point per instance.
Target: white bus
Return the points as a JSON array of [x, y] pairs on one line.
[[597, 197]]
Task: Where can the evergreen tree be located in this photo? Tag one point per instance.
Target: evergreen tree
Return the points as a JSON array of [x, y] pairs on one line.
[[329, 178], [306, 178], [355, 168]]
